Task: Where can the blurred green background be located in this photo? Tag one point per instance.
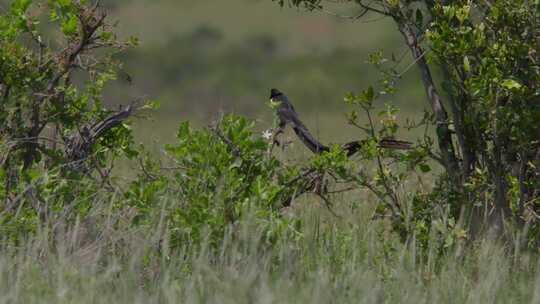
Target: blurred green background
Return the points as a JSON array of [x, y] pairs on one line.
[[200, 58]]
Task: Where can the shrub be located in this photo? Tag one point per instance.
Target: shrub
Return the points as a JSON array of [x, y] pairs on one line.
[[218, 176], [58, 140]]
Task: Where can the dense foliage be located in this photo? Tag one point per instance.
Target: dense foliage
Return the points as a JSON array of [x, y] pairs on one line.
[[218, 177], [58, 141], [488, 52], [489, 143]]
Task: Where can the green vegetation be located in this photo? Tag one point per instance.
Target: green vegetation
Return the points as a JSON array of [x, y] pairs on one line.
[[343, 261], [490, 144], [229, 213]]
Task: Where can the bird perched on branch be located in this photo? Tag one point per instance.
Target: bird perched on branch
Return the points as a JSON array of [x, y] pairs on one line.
[[287, 115]]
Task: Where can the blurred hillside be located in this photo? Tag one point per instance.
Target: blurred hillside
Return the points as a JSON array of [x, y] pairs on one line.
[[201, 57]]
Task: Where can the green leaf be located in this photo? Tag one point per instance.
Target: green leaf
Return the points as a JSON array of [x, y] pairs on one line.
[[466, 64], [349, 98], [20, 6], [424, 168], [370, 94], [449, 11], [69, 26], [511, 84], [151, 105], [419, 17], [63, 3], [462, 14]]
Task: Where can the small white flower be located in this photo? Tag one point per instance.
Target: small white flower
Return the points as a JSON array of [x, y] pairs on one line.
[[267, 134]]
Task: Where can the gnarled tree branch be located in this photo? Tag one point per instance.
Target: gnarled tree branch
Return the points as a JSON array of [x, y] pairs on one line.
[[79, 145]]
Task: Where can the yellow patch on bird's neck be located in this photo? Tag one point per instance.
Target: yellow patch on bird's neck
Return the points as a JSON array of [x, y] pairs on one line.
[[274, 103]]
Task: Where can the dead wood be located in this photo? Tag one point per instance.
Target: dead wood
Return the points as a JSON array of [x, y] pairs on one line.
[[79, 145]]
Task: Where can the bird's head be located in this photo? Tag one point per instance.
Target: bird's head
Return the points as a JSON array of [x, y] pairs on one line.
[[275, 98], [275, 93]]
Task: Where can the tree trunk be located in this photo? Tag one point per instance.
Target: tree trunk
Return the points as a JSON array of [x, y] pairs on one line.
[[444, 135]]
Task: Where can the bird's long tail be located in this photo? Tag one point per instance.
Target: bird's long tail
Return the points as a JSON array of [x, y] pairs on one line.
[[390, 143], [309, 141], [386, 143], [317, 147]]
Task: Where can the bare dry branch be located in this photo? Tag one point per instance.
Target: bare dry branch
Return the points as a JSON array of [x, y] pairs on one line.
[[79, 145]]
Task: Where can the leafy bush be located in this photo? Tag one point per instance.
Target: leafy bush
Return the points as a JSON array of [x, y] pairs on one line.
[[58, 140], [488, 140], [218, 177], [492, 75]]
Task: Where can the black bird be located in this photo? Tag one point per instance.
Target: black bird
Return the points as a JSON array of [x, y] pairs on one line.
[[288, 116]]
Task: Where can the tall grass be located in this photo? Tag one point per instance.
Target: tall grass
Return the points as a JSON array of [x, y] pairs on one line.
[[351, 259]]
